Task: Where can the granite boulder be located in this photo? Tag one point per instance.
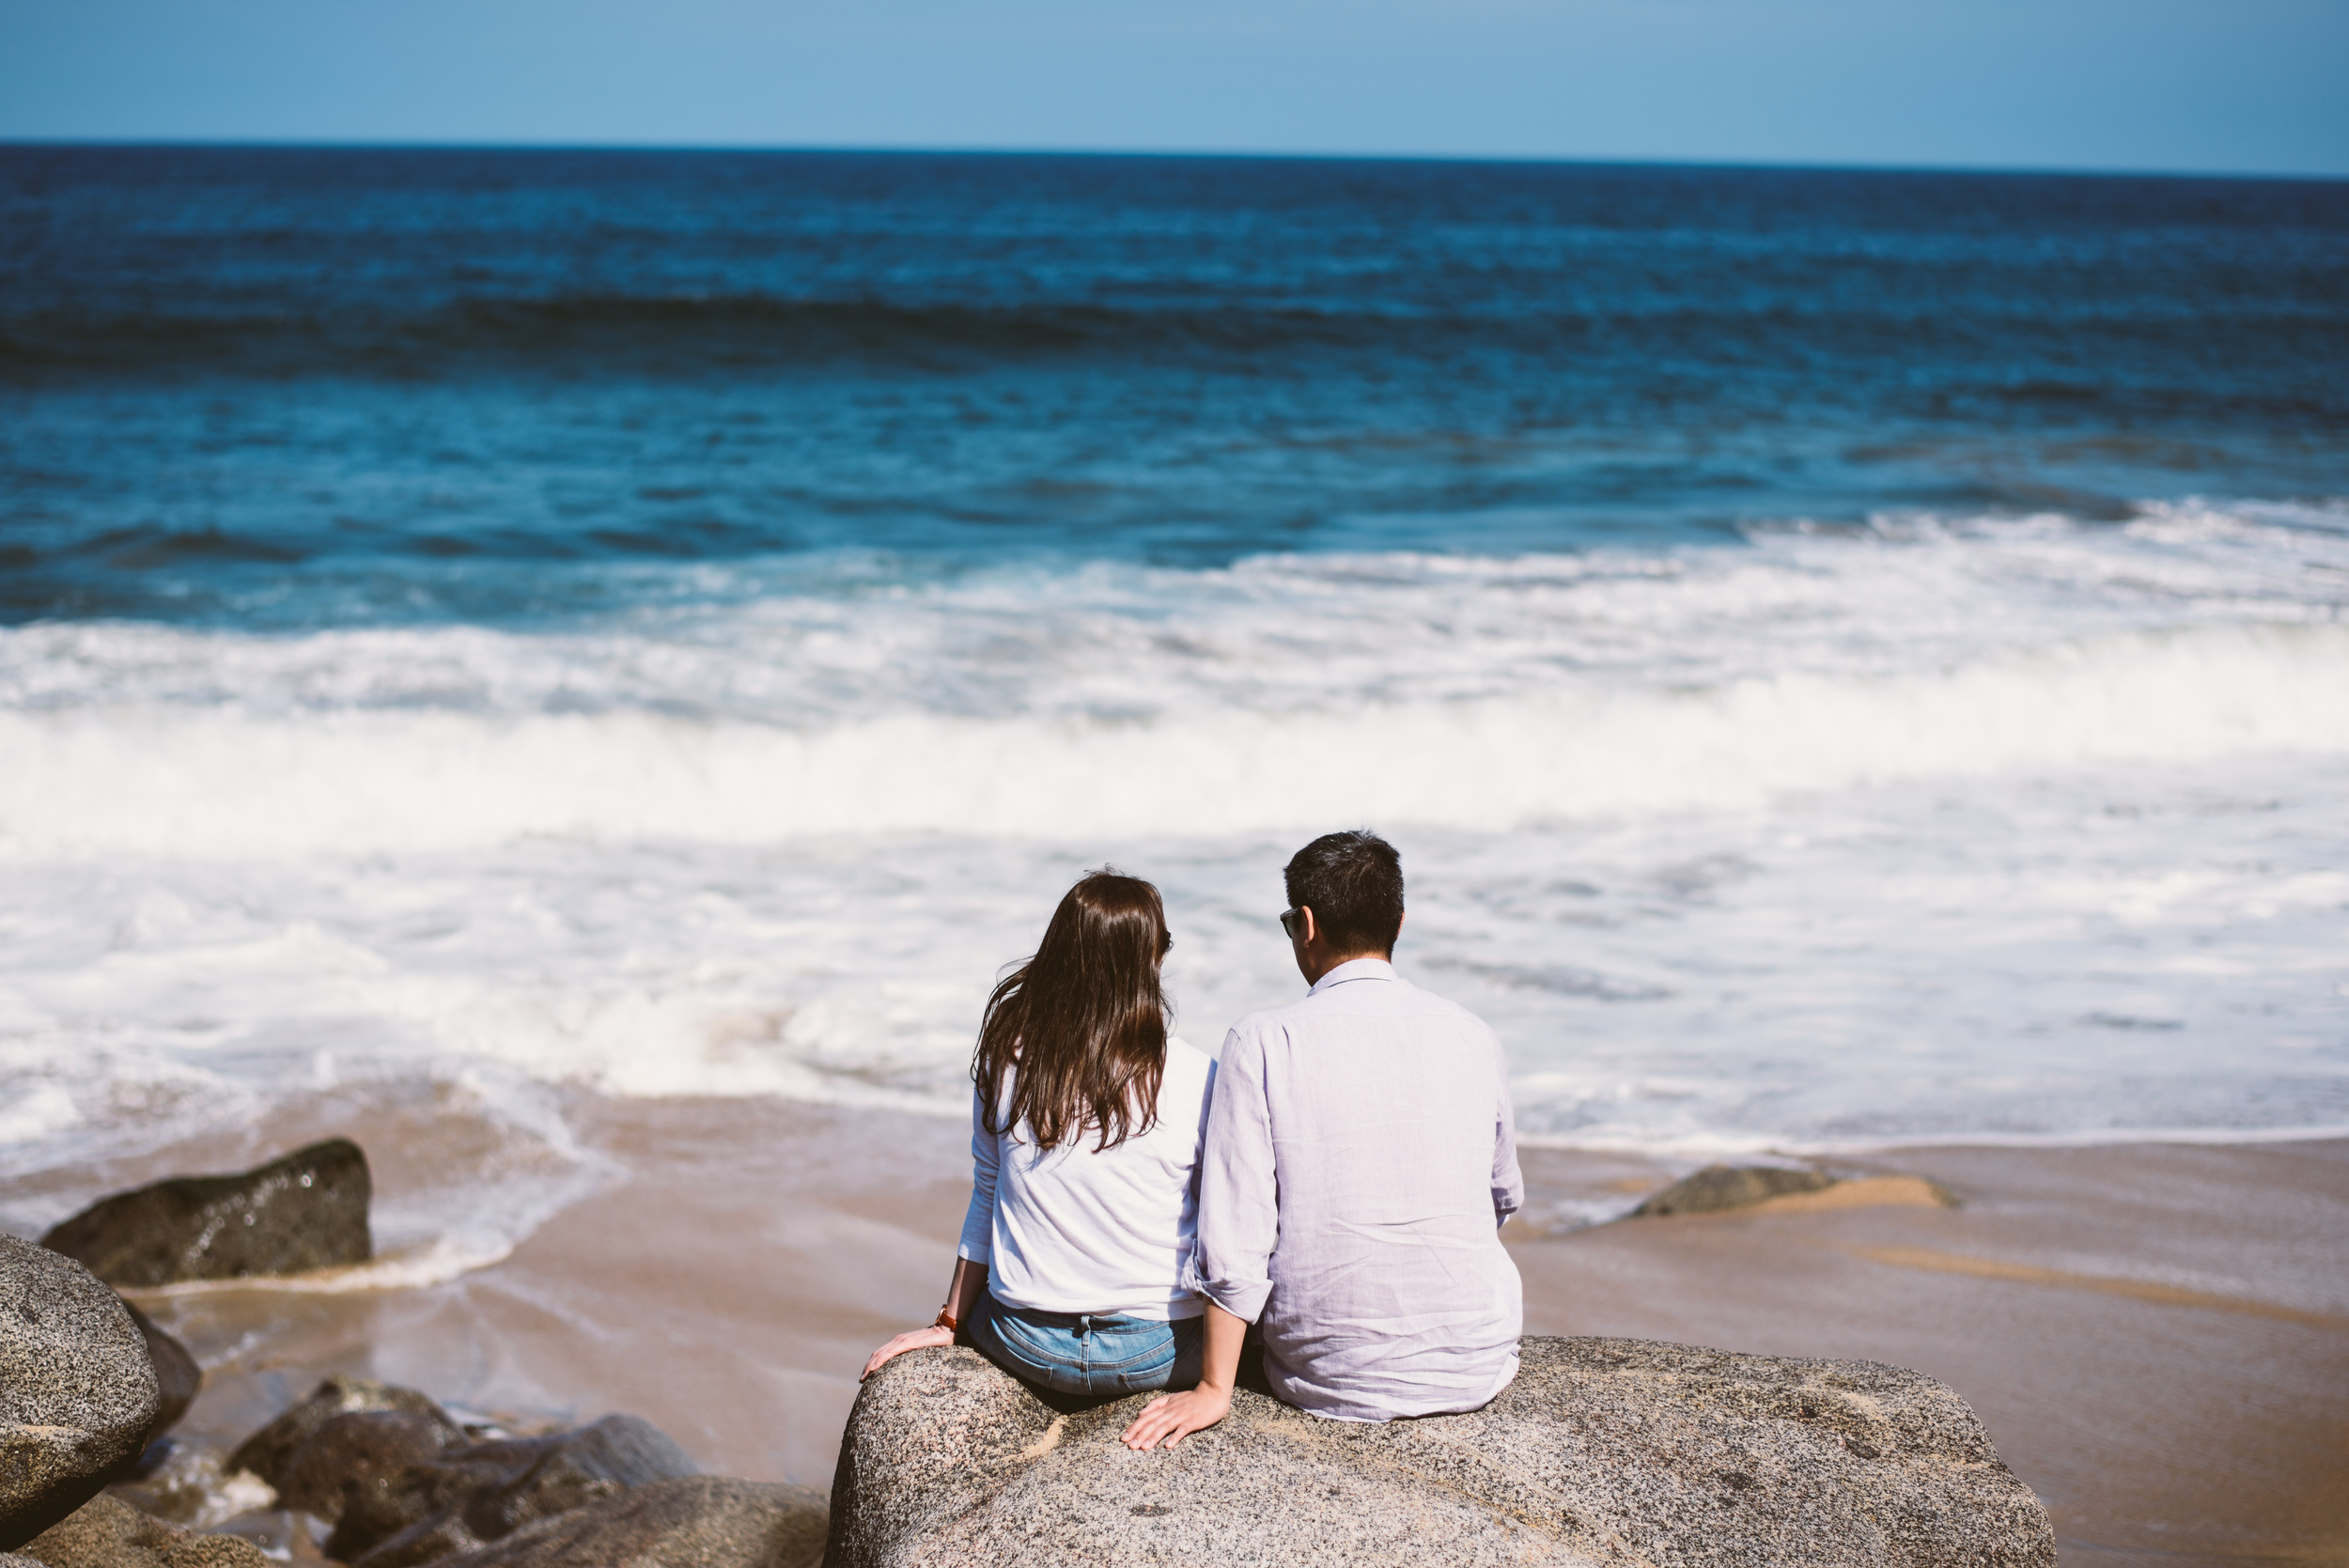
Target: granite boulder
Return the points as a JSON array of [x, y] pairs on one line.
[[78, 1391], [1603, 1453]]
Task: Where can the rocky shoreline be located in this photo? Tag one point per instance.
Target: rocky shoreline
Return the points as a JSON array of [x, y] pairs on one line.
[[373, 1475], [1604, 1452], [364, 1473]]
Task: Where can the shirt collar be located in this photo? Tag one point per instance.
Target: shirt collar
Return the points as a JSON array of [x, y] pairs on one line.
[[1354, 968]]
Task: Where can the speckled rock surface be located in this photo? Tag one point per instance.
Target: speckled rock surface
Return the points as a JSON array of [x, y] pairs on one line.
[[77, 1391], [308, 1210], [1608, 1453], [108, 1532], [688, 1522]]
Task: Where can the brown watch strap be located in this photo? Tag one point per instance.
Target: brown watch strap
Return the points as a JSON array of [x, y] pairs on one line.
[[947, 1320]]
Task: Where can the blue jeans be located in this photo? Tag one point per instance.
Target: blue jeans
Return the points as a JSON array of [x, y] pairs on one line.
[[1078, 1353]]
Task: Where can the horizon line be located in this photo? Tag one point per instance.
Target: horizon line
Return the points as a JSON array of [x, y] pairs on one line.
[[2051, 170]]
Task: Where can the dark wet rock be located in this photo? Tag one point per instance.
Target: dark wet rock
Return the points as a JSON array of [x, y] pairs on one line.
[[470, 1496], [271, 1452], [687, 1521], [1731, 1187], [77, 1389], [178, 1378], [108, 1532], [308, 1210], [360, 1455], [1604, 1453]]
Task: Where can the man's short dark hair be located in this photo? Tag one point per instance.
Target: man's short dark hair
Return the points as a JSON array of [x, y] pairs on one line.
[[1353, 883]]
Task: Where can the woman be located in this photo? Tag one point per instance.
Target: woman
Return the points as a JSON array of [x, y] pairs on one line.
[[1085, 1123]]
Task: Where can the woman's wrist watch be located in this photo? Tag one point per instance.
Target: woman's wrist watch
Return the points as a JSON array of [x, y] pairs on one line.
[[946, 1319]]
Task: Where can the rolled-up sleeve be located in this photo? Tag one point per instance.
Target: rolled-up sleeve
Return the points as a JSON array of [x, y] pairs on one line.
[[1239, 1189], [978, 1220], [1508, 1181]]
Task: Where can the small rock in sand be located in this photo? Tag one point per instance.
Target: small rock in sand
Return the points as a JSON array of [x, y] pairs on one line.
[[77, 1388], [1724, 1186], [1731, 1187], [308, 1210]]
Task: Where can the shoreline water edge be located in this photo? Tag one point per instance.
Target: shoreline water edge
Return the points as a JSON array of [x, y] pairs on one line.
[[2157, 1337]]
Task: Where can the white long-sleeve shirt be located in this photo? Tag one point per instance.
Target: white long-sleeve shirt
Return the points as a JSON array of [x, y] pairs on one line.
[[1110, 1232], [1361, 1155]]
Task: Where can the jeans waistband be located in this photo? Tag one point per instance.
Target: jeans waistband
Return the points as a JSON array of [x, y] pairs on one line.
[[1037, 1317]]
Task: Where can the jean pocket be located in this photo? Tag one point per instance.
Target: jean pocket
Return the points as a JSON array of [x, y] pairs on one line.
[[1171, 1360], [1151, 1379], [1043, 1351], [1144, 1361], [1137, 1358]]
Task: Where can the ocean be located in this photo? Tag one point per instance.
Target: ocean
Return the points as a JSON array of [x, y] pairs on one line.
[[1848, 658]]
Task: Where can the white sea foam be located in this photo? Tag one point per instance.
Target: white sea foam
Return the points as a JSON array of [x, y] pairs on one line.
[[2012, 831], [168, 781], [1485, 695]]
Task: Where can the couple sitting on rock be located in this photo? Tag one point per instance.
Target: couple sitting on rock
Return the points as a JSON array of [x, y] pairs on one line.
[[1338, 1178]]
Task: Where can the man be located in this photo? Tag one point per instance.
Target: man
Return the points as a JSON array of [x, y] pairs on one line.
[[1360, 1160]]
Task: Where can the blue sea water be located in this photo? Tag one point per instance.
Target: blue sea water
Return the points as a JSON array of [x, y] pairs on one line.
[[1849, 656], [300, 388]]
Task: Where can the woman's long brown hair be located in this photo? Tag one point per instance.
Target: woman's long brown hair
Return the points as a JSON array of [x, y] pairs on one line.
[[1080, 1030]]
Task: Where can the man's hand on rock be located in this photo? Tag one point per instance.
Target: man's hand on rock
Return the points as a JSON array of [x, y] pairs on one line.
[[917, 1339], [1170, 1418]]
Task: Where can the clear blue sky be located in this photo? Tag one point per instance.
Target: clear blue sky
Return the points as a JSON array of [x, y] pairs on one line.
[[2251, 85]]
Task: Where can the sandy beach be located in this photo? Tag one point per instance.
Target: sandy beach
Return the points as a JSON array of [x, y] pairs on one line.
[[2157, 1336]]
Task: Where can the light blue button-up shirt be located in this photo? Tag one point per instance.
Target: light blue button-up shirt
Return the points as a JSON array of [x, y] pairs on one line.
[[1360, 1154]]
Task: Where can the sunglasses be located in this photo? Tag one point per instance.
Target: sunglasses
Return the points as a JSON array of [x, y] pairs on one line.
[[1291, 922]]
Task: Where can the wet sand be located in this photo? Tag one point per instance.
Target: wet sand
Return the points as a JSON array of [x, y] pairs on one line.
[[2156, 1336]]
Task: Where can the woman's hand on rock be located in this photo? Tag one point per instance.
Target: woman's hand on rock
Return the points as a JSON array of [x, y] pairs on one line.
[[916, 1339], [1172, 1417]]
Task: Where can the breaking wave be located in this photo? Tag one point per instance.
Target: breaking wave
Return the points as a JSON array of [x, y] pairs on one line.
[[167, 780]]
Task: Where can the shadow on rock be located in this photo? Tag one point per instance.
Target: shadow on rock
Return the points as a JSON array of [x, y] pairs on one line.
[[178, 1381]]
